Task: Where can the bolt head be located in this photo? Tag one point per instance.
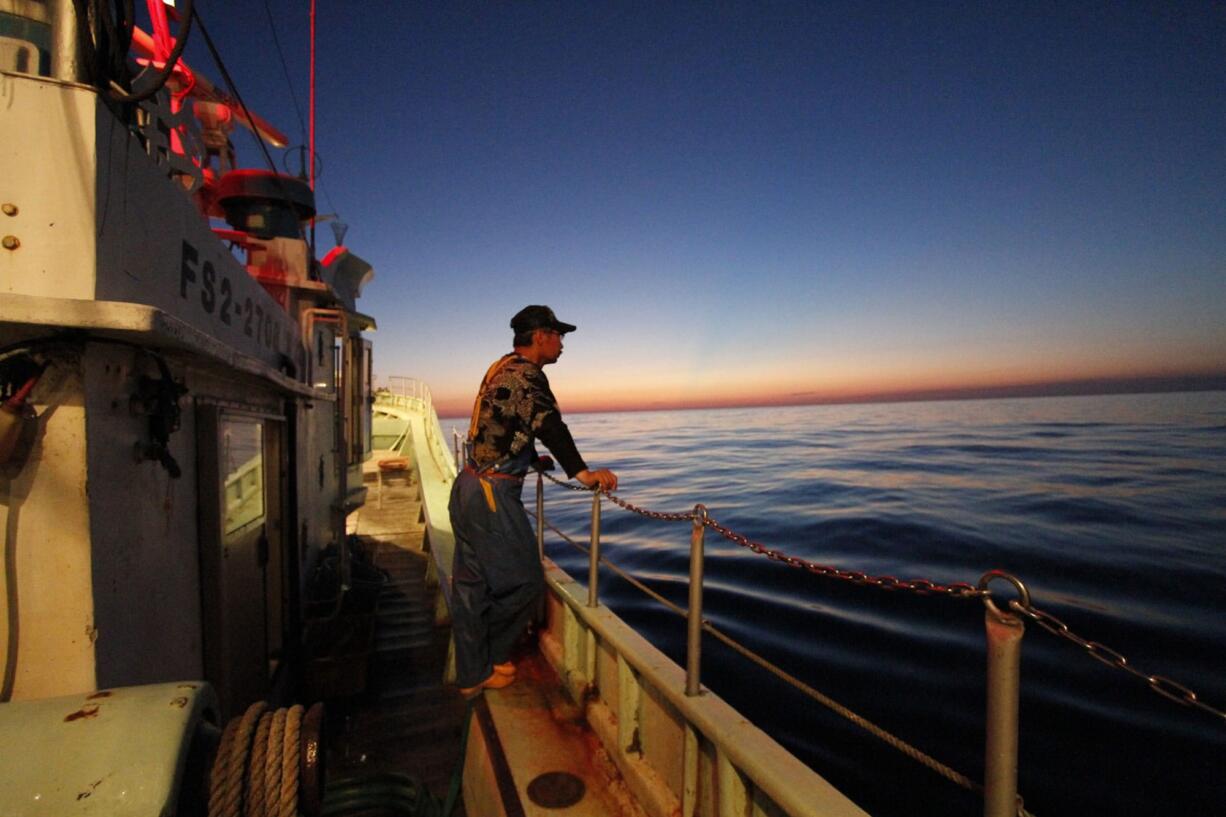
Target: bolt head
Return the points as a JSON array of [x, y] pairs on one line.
[[9, 209], [10, 242]]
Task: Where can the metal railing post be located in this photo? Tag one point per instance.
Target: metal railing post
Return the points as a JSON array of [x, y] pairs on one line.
[[593, 566], [693, 642], [1004, 647], [540, 513]]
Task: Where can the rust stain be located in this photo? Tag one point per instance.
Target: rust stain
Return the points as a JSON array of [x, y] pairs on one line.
[[83, 712], [106, 693], [92, 786], [179, 702]]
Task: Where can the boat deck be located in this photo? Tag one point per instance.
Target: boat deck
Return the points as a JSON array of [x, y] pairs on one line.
[[530, 752], [407, 720]]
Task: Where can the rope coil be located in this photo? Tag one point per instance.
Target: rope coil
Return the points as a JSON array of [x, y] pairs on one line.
[[257, 771]]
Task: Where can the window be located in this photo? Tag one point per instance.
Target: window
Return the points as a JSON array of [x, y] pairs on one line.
[[242, 461]]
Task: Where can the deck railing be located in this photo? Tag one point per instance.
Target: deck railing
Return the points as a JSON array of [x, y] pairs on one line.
[[414, 395], [1004, 627]]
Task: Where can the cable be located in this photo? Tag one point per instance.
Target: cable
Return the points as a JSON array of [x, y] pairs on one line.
[[225, 75], [119, 39], [294, 98], [285, 68], [185, 27]]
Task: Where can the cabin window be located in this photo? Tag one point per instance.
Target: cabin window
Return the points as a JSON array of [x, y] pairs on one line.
[[242, 443]]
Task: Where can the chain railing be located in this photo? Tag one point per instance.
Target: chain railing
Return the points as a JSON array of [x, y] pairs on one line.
[[810, 692], [1004, 632], [1160, 684]]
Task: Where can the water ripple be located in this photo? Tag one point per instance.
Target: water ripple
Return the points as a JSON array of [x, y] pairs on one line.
[[1113, 510]]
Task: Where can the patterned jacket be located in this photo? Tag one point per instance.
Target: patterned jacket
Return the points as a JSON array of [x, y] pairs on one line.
[[514, 407]]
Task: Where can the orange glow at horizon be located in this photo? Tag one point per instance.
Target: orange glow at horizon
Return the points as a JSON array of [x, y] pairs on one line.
[[661, 391]]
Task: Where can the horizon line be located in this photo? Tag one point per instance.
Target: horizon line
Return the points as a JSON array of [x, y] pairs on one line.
[[1067, 388]]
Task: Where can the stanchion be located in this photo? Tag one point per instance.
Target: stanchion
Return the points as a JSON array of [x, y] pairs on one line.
[[693, 646], [593, 565], [1004, 647], [540, 513]]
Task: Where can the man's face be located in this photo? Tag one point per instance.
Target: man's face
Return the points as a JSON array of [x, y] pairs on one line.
[[550, 343]]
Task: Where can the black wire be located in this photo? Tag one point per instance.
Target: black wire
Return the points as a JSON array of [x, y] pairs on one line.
[[285, 68], [67, 336], [225, 75], [327, 198], [297, 109], [185, 28]]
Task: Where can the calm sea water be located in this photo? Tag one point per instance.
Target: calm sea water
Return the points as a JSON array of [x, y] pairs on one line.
[[1111, 509]]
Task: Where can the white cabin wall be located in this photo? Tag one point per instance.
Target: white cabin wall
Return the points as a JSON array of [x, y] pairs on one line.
[[146, 577], [44, 518], [154, 247], [47, 170]]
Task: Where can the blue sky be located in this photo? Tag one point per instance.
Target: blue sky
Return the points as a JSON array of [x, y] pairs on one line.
[[769, 201]]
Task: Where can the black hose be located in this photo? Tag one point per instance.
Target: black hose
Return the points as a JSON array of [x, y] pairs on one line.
[[393, 794], [386, 793], [185, 27]]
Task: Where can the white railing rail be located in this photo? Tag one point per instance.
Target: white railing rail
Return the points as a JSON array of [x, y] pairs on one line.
[[414, 395]]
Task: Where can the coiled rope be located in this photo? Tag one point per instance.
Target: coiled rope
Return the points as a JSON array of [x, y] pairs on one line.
[[256, 771]]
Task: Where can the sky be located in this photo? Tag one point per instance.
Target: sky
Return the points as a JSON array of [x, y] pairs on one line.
[[758, 203]]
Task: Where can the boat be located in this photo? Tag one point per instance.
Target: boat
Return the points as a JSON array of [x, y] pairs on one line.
[[186, 421], [185, 417], [226, 556]]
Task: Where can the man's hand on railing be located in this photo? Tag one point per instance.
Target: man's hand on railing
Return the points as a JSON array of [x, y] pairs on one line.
[[602, 477]]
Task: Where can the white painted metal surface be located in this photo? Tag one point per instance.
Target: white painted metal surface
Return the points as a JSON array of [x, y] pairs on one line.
[[120, 752], [680, 754], [47, 621], [97, 219]]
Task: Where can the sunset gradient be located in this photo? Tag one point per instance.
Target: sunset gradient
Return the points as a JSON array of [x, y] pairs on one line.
[[774, 202]]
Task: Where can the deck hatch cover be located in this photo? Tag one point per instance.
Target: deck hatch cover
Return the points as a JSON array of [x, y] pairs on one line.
[[556, 790]]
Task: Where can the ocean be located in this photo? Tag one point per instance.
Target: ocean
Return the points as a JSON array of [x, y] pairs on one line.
[[1111, 509]]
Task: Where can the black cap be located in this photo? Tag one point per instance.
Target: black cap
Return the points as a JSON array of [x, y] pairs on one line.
[[538, 317]]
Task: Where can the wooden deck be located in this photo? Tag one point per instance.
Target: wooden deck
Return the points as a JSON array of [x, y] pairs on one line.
[[408, 720], [530, 752]]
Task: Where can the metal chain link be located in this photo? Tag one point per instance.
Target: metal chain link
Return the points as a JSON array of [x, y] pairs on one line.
[[892, 740], [1101, 652], [688, 516], [1160, 684], [923, 587]]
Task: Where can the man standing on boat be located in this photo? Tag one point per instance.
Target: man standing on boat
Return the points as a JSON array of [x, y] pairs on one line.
[[497, 573]]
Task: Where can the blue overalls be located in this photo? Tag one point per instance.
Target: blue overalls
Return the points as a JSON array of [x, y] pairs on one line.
[[496, 573]]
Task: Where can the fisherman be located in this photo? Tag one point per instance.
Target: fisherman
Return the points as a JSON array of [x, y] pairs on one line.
[[497, 573]]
